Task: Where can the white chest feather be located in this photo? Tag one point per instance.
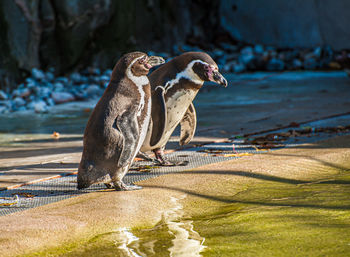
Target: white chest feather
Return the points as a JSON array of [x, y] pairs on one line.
[[176, 105], [140, 82], [144, 126]]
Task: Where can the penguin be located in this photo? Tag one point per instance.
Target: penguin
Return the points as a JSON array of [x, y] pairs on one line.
[[174, 86], [118, 124]]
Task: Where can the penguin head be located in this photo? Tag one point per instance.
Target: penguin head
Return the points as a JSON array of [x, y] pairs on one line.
[[138, 63], [206, 69]]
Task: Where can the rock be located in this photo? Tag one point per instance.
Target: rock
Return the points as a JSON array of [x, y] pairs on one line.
[[3, 95], [105, 78], [108, 73], [40, 107], [76, 21], [63, 80], [18, 101], [104, 81], [94, 71], [62, 97], [93, 90], [3, 109], [22, 93], [228, 47], [317, 52], [20, 37], [50, 76], [275, 64], [25, 92], [238, 67], [58, 87], [247, 55], [296, 64], [38, 74], [43, 92], [50, 102], [258, 49], [75, 77], [310, 63]]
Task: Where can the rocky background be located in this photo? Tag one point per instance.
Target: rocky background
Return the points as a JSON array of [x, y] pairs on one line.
[[54, 51]]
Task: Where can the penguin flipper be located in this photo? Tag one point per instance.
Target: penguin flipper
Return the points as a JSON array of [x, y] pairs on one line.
[[159, 116], [188, 125], [129, 131]]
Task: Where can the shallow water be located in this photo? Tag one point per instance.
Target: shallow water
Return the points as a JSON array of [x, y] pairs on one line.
[[172, 236]]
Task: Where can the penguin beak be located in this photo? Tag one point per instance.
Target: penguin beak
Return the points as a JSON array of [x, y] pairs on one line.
[[155, 60], [218, 78]]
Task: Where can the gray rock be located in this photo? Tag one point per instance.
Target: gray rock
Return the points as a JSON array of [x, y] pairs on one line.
[[40, 107], [20, 108], [247, 55], [296, 64], [22, 93], [50, 102], [76, 21], [43, 92], [238, 67], [75, 77], [50, 76], [311, 63], [62, 97], [18, 101], [104, 78], [94, 71], [3, 95], [228, 47], [93, 90], [38, 74], [258, 49], [275, 64], [25, 93], [108, 73], [63, 80], [3, 109], [58, 87]]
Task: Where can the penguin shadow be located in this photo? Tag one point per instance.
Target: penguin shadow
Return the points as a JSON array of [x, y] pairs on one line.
[[257, 176]]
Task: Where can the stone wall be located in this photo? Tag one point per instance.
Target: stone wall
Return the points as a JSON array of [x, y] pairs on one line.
[[67, 34], [288, 24]]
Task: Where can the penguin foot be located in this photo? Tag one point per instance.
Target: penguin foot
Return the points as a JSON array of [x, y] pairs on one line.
[[109, 185], [168, 163], [144, 156], [120, 186], [161, 160]]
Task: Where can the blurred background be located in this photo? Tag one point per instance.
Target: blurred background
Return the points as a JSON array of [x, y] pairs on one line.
[[57, 51]]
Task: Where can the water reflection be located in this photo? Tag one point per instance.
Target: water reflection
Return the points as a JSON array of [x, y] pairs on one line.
[[172, 236], [123, 241], [187, 242]]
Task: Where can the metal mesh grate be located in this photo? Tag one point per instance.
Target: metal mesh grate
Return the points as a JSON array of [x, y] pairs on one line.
[[54, 190]]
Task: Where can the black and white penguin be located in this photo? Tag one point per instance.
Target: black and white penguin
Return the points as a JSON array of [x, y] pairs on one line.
[[118, 125], [174, 85]]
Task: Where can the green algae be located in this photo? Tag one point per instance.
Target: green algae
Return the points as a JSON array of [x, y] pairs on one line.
[[260, 218], [274, 219]]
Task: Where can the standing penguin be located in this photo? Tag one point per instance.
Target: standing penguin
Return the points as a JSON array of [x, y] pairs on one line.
[[174, 85], [118, 125]]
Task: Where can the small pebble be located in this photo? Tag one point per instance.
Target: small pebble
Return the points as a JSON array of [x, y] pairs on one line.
[[62, 97]]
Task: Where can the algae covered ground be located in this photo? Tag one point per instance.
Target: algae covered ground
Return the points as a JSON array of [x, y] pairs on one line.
[[290, 202], [279, 219]]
